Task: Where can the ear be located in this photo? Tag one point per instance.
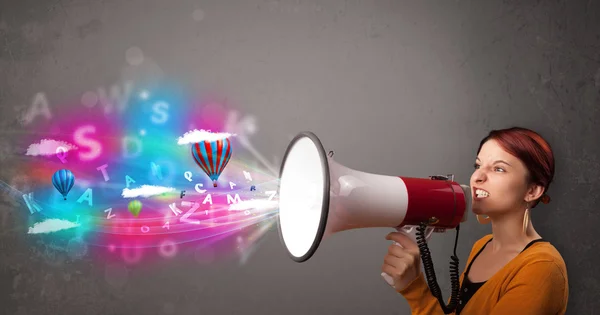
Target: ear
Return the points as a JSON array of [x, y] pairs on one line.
[[534, 192]]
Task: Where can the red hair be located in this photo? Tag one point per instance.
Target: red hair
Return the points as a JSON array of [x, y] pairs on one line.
[[529, 147]]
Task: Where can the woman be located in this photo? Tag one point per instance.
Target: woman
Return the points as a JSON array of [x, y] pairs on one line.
[[513, 270]]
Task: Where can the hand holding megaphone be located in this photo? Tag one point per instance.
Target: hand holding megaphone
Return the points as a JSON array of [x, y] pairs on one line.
[[402, 263]]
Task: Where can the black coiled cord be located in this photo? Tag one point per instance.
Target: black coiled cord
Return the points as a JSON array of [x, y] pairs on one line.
[[430, 272]]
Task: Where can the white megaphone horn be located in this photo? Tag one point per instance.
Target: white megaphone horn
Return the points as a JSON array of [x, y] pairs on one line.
[[319, 197]]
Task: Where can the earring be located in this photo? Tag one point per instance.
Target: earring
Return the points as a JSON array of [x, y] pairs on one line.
[[526, 221], [483, 219]]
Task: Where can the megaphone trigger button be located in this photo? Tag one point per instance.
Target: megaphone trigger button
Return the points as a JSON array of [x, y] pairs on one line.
[[407, 229]]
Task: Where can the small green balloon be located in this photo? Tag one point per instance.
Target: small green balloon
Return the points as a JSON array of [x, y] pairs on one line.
[[135, 207]]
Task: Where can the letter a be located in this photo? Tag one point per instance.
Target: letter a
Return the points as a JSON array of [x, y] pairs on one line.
[[87, 195], [38, 107], [209, 198], [128, 180]]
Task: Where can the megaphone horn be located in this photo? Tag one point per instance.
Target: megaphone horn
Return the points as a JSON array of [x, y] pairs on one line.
[[319, 197]]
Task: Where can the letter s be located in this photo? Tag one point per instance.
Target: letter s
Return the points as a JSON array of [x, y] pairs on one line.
[[95, 148]]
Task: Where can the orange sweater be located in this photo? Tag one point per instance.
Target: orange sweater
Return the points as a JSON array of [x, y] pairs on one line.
[[533, 283]]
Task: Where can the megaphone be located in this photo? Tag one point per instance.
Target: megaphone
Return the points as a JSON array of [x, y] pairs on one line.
[[319, 197]]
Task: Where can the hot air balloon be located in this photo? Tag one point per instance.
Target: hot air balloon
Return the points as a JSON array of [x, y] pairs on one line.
[[63, 181], [212, 157], [135, 206]]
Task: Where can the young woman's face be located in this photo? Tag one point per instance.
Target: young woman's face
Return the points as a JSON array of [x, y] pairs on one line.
[[499, 182]]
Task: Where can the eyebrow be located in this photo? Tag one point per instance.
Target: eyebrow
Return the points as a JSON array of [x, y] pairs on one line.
[[498, 161]]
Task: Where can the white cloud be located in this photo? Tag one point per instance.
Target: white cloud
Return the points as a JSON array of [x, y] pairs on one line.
[[51, 225], [48, 147], [146, 191], [196, 135]]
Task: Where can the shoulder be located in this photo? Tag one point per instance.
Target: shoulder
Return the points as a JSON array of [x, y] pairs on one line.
[[538, 274], [543, 257], [540, 268]]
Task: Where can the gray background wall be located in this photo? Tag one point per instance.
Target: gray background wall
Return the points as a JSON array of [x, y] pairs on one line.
[[416, 83]]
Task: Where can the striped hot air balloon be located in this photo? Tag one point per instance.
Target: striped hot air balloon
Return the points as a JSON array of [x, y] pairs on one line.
[[212, 157], [63, 181]]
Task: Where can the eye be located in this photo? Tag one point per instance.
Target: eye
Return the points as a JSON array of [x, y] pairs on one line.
[[499, 168], [476, 166]]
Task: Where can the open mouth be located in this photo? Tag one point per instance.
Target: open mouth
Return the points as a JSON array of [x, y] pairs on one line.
[[479, 193]]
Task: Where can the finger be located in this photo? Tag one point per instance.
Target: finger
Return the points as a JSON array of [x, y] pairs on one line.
[[404, 240], [400, 252], [390, 270], [412, 259], [399, 263]]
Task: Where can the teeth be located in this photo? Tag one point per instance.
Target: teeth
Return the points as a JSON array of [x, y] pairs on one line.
[[481, 193]]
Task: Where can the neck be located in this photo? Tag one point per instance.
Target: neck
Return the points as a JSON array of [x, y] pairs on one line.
[[508, 235]]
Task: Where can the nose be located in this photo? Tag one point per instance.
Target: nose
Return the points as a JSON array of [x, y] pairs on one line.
[[478, 176]]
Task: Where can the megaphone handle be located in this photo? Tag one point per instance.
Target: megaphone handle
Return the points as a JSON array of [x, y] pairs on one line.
[[411, 232]]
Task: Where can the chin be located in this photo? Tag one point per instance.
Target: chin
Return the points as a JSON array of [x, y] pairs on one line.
[[479, 213], [478, 210], [481, 207]]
